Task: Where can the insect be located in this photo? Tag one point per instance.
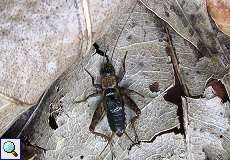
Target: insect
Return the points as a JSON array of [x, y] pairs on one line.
[[114, 99]]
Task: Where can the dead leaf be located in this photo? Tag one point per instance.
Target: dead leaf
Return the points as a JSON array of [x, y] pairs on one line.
[[190, 20], [220, 12], [9, 111], [207, 129], [40, 40], [193, 69], [147, 61], [155, 53], [219, 89]]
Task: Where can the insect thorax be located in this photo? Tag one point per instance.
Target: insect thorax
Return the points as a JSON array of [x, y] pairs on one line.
[[108, 82]]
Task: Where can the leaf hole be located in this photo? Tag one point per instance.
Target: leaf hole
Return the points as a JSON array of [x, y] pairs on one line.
[[219, 88], [154, 87], [52, 122]]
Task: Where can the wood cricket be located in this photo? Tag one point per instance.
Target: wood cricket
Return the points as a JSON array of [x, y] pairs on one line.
[[114, 99]]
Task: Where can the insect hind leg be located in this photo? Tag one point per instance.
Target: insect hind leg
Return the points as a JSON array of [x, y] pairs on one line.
[[133, 106], [97, 117]]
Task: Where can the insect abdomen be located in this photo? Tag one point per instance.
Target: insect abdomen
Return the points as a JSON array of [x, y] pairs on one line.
[[115, 112], [117, 121]]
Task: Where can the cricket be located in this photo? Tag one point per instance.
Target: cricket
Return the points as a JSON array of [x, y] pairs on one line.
[[114, 98]]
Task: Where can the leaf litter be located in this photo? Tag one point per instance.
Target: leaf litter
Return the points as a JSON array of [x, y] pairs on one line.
[[148, 61]]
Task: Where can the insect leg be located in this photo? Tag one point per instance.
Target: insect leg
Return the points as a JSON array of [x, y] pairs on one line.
[[128, 91], [122, 71], [92, 78], [89, 96], [97, 117], [133, 106]]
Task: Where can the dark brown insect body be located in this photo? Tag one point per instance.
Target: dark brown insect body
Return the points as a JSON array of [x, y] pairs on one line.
[[114, 99]]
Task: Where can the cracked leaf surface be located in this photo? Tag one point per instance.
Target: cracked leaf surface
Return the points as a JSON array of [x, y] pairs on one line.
[[208, 128]]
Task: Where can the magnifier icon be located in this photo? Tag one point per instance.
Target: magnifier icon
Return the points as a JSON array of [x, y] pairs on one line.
[[9, 147]]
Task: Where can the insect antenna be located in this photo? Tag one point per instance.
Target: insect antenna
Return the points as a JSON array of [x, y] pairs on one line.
[[122, 31], [110, 144], [100, 52]]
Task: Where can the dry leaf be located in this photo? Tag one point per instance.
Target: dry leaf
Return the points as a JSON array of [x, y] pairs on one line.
[[9, 112], [191, 21], [220, 12], [198, 128], [40, 40], [226, 81], [147, 61], [207, 129], [219, 89]]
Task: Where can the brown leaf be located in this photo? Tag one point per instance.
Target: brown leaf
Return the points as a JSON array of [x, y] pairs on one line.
[[220, 12]]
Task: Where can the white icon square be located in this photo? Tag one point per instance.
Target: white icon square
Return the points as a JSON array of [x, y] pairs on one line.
[[10, 149]]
